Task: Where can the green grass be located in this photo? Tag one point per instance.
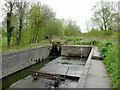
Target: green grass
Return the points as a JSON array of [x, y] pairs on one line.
[[3, 41], [91, 42], [73, 38], [25, 46], [20, 47], [110, 54]]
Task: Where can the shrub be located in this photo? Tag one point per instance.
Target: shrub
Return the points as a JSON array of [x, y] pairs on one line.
[[103, 52], [93, 42], [108, 44], [109, 51], [104, 49]]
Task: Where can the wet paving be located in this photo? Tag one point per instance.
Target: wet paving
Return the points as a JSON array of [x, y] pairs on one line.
[[45, 83], [60, 66]]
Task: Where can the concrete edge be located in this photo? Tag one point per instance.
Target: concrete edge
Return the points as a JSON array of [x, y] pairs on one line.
[[83, 76], [17, 53], [34, 48], [77, 45], [19, 81]]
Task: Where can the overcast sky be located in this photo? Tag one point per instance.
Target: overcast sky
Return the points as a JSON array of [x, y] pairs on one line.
[[78, 10]]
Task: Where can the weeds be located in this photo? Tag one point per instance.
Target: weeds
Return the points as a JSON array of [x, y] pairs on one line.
[[109, 51]]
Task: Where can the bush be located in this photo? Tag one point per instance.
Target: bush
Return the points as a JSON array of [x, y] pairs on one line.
[[73, 38], [104, 49], [109, 51], [108, 44], [103, 52], [69, 39], [93, 42]]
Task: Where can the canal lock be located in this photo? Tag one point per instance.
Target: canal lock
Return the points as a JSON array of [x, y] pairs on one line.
[[54, 53]]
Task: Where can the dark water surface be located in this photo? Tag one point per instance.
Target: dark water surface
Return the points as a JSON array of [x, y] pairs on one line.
[[9, 80]]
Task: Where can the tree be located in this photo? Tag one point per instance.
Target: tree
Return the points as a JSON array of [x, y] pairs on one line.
[[9, 20], [104, 15], [21, 11], [71, 29], [53, 27], [88, 25], [38, 17]]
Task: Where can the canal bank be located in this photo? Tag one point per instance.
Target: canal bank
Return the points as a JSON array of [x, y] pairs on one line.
[[15, 61]]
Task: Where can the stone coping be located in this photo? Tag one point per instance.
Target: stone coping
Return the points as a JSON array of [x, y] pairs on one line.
[[21, 51], [83, 77], [77, 45], [34, 48]]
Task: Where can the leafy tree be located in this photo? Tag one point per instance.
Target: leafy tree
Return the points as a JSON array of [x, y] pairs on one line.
[[21, 6], [9, 20], [104, 15], [38, 17], [71, 29], [54, 27]]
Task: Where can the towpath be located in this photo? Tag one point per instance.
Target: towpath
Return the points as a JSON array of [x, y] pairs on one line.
[[97, 76]]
